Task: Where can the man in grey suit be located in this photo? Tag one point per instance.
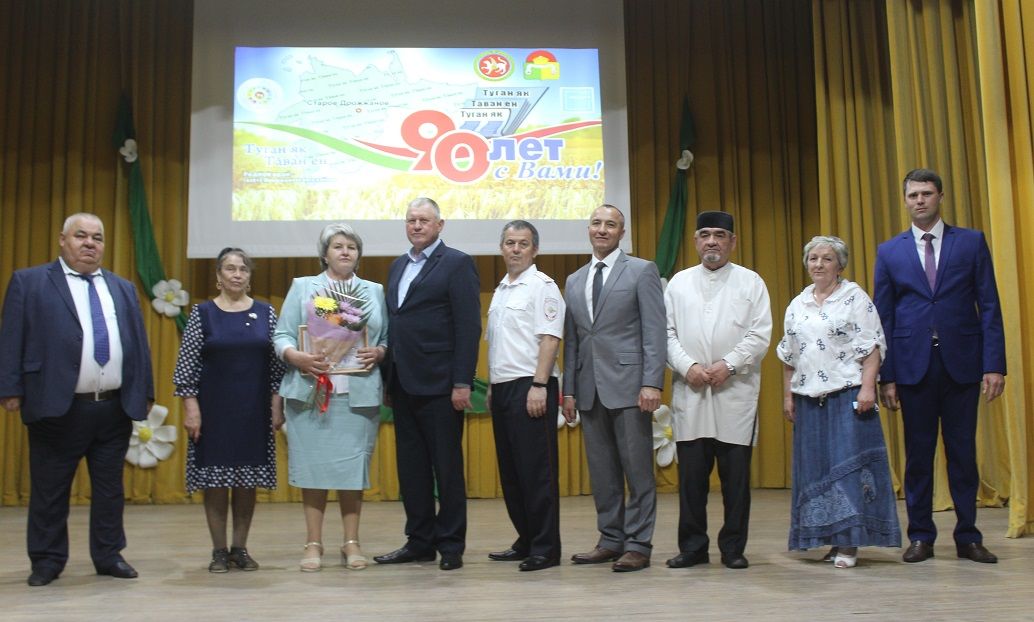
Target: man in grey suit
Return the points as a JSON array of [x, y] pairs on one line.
[[614, 358]]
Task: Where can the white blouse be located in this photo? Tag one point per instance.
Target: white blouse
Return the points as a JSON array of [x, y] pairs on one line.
[[826, 344]]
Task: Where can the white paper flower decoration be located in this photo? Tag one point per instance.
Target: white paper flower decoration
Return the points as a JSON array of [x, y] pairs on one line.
[[662, 436], [151, 441], [685, 161], [128, 150], [169, 297]]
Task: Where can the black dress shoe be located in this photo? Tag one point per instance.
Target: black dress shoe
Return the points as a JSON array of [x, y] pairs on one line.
[[539, 562], [918, 551], [976, 552], [404, 555], [736, 561], [509, 555], [692, 558], [42, 576], [120, 570], [451, 561]]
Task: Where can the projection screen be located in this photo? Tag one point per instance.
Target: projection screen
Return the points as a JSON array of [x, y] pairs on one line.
[[317, 111]]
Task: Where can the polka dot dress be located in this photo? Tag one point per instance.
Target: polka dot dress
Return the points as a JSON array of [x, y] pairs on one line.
[[227, 362]]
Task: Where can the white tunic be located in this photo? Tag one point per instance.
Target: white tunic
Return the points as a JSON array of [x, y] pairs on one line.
[[520, 313], [715, 315], [826, 344]]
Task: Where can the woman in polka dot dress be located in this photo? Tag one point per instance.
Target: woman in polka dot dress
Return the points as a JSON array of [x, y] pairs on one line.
[[228, 376]]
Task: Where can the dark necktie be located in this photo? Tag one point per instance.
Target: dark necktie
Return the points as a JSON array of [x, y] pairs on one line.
[[930, 261], [101, 347], [597, 287]]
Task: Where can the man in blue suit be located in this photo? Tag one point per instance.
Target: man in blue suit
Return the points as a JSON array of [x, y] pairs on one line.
[[937, 298], [434, 325], [74, 359]]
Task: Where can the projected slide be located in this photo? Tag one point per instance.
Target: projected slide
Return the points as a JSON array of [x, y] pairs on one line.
[[327, 133]]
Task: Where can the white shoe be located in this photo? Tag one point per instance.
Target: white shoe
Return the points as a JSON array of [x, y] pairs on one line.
[[309, 563], [354, 562]]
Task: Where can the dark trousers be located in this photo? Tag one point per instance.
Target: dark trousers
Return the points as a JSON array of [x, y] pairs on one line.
[[429, 451], [98, 431], [939, 401], [696, 460], [527, 451]]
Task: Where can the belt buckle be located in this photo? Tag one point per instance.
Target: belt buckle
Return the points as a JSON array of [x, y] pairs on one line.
[[97, 396]]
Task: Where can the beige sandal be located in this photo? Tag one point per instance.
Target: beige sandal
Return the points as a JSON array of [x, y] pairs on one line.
[[309, 563], [353, 562]]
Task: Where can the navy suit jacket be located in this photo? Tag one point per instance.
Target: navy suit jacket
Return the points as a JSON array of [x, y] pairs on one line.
[[433, 337], [963, 309], [41, 342]]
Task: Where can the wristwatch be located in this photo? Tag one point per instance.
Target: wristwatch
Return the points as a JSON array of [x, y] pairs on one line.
[[731, 368]]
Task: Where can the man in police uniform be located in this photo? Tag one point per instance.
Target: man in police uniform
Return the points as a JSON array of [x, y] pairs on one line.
[[525, 325]]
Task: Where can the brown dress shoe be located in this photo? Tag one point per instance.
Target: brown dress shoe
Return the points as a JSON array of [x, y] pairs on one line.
[[976, 552], [918, 551], [598, 555], [631, 561]]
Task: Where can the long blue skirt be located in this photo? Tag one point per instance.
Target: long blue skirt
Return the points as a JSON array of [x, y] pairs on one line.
[[842, 491]]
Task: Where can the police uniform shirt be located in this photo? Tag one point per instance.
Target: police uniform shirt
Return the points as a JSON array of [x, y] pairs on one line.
[[520, 313]]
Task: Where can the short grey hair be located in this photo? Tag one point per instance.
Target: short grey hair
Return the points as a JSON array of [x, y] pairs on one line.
[[70, 221], [838, 246], [329, 233], [425, 202], [520, 225]]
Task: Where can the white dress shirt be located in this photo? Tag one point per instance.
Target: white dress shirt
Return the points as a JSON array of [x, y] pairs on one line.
[[608, 263], [938, 235], [522, 312], [413, 268], [93, 377]]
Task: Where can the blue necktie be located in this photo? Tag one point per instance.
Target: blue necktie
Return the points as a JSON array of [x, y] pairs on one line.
[[101, 347]]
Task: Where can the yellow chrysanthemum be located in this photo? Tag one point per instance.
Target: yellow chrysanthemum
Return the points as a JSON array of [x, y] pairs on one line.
[[324, 304]]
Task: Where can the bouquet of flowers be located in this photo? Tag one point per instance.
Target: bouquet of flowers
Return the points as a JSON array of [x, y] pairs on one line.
[[336, 318]]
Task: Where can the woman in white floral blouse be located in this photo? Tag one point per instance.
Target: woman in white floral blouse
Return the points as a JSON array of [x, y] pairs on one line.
[[842, 494]]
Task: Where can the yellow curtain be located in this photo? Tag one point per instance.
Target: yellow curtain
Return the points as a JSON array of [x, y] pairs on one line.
[[901, 85], [69, 61], [1005, 53], [66, 63], [807, 114], [746, 66], [858, 200]]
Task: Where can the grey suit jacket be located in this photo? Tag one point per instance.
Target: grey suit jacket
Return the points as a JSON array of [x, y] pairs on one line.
[[625, 348]]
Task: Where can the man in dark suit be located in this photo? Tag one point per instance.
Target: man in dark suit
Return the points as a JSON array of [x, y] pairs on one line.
[[434, 324], [615, 350], [937, 298], [74, 359]]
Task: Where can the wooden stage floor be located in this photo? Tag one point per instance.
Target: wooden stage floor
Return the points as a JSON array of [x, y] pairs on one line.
[[169, 546]]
